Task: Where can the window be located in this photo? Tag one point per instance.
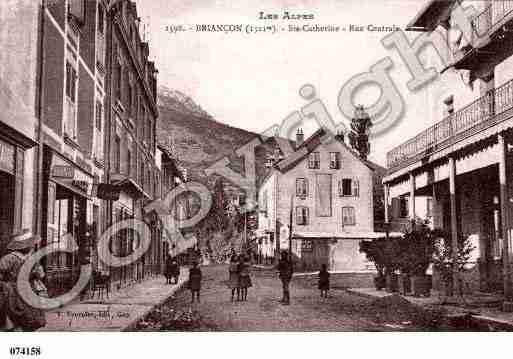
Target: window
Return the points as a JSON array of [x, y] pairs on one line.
[[301, 216], [119, 74], [264, 205], [130, 98], [76, 8], [348, 217], [117, 154], [70, 103], [141, 172], [404, 207], [98, 141], [101, 19], [71, 82], [429, 209], [99, 115], [335, 160], [301, 187], [129, 162], [314, 160], [349, 187]]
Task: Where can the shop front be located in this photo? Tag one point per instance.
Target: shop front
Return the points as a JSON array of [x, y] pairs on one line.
[[68, 220], [11, 190]]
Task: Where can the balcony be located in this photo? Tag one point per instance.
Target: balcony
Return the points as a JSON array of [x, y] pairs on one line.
[[489, 45], [492, 16], [486, 111]]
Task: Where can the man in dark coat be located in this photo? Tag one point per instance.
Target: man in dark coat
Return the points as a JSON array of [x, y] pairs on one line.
[[285, 269]]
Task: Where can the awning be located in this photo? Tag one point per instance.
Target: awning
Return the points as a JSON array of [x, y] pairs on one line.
[[128, 184]]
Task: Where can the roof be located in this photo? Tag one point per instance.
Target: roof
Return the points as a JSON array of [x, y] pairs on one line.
[[309, 146], [172, 160], [433, 12]]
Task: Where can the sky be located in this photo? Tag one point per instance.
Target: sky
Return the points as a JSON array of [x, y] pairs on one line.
[[253, 81]]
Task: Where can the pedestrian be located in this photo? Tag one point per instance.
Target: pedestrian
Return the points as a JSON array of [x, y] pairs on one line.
[[244, 276], [324, 281], [172, 270], [233, 279], [175, 270], [195, 281], [167, 270], [285, 270], [15, 313]]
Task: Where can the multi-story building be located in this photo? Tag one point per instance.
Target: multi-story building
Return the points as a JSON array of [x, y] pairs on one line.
[[172, 177], [327, 191], [73, 127], [19, 118], [131, 115], [79, 109], [463, 161]]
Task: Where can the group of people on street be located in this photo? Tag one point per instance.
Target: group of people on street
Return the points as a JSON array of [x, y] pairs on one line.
[[239, 277]]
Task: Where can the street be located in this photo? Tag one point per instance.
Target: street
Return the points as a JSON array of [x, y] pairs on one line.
[[263, 312]]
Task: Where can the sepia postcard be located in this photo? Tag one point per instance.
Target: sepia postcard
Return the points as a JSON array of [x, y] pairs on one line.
[[242, 166]]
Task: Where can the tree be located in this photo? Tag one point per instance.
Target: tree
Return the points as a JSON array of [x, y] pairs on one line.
[[217, 219], [359, 135]]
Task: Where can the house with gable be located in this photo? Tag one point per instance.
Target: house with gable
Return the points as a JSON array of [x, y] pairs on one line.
[[326, 189]]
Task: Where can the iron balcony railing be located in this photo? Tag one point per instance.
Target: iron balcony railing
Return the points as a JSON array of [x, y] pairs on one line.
[[495, 102], [491, 15]]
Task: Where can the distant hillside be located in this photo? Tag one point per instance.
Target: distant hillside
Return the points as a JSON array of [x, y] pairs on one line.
[[197, 139]]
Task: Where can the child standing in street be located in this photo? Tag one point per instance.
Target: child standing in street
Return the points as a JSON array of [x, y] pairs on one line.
[[233, 279], [195, 281], [324, 281], [244, 277]]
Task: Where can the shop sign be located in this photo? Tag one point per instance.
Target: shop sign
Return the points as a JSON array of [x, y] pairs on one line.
[[108, 192], [71, 176], [7, 156], [63, 171], [81, 185]]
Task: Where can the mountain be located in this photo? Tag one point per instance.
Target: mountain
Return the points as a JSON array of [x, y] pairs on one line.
[[197, 139]]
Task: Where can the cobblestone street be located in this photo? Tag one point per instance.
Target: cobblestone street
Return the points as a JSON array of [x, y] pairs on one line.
[[342, 311]]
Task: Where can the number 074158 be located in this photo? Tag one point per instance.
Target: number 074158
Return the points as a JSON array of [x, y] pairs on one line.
[[25, 351]]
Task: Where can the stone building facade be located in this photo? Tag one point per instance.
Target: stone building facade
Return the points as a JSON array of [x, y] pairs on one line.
[[330, 190]]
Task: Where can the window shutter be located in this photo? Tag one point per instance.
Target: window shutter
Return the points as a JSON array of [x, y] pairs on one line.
[[340, 188], [298, 216], [306, 215], [306, 187], [298, 187], [356, 188]]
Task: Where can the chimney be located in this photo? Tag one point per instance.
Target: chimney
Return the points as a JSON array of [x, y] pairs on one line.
[[340, 136], [449, 105], [300, 137]]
